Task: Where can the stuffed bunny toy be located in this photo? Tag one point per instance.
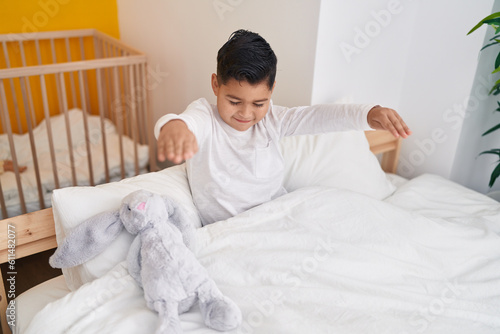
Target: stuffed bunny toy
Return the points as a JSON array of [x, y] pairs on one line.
[[158, 259]]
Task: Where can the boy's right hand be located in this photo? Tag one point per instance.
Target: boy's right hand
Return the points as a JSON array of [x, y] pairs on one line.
[[176, 142]]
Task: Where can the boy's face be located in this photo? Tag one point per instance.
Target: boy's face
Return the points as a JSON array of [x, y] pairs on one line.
[[240, 104]]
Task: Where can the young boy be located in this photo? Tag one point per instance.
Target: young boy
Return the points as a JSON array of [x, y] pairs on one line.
[[232, 150]]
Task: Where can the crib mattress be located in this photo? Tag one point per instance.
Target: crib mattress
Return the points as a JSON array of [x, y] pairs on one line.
[[63, 158]]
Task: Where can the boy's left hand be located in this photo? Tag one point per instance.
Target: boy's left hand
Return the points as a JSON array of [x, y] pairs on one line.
[[380, 118]]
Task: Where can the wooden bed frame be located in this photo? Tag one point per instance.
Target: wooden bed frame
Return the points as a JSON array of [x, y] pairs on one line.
[[35, 232]]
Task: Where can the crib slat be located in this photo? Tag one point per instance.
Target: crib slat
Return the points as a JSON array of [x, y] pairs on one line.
[[109, 85], [97, 51], [6, 121], [11, 81], [49, 130], [149, 123], [102, 101], [86, 128], [32, 145], [6, 54], [58, 84], [38, 54], [100, 91], [64, 108], [85, 75], [133, 114], [138, 103], [82, 52], [2, 199], [53, 51], [32, 114], [71, 76], [119, 121], [16, 104], [125, 100], [2, 203]]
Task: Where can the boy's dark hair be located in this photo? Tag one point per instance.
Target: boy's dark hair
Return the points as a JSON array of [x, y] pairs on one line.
[[246, 56]]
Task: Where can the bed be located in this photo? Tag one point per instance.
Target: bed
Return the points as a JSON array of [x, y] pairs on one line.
[[351, 248], [73, 110]]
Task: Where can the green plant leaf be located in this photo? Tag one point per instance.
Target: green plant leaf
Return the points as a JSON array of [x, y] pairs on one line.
[[492, 151], [496, 127], [498, 109], [495, 89], [494, 43], [489, 17], [496, 172], [494, 175], [497, 61], [494, 23]]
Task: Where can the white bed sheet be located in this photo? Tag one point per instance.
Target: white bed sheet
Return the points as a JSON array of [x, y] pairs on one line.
[[323, 260], [40, 133]]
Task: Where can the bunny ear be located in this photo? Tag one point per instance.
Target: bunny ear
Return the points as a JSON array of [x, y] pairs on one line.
[[87, 240]]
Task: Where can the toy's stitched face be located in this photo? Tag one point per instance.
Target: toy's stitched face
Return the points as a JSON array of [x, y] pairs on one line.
[[139, 210]]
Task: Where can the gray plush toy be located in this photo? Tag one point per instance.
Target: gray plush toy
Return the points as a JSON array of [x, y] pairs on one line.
[[159, 259]]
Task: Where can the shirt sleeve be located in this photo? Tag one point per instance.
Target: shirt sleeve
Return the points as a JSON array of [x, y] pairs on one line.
[[323, 118], [196, 116]]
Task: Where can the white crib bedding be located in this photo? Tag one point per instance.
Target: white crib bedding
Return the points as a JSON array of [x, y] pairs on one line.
[[317, 260], [63, 165]]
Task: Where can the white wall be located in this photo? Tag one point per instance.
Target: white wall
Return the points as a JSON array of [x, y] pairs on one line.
[[413, 56], [469, 169], [182, 37], [359, 57]]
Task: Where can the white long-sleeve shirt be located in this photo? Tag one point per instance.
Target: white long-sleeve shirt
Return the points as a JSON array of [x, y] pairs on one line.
[[233, 170]]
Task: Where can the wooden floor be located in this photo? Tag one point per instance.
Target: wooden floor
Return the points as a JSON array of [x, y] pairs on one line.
[[31, 270]]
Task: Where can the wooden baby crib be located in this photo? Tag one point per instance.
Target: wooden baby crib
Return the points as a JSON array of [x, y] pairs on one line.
[[74, 110]]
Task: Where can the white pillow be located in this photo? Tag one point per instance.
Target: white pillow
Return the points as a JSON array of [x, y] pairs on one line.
[[73, 205], [338, 159]]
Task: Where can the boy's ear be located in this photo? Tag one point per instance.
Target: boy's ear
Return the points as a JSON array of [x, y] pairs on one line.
[[215, 84]]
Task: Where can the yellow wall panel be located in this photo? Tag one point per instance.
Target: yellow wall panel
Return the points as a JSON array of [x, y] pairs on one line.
[[26, 16]]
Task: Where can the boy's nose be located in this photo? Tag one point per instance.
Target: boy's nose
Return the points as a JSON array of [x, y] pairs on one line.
[[246, 111]]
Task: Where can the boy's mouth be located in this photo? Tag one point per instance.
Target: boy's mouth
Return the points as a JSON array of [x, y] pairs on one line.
[[242, 120]]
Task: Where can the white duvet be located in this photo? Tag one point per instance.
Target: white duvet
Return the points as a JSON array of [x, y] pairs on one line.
[[323, 260]]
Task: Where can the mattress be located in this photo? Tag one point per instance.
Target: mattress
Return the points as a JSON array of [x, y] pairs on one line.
[[323, 260]]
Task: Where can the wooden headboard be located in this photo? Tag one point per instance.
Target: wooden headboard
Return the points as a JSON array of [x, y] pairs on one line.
[[34, 232], [383, 142]]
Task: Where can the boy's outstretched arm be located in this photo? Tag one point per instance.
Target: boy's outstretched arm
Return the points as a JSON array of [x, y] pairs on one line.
[[176, 142], [381, 118]]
